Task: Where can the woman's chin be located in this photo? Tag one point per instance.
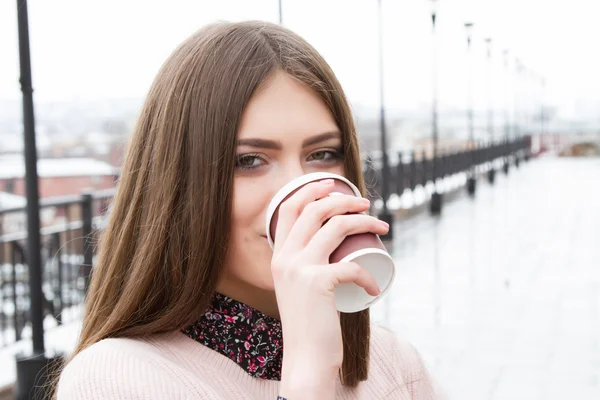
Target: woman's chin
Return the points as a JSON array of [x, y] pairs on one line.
[[268, 285]]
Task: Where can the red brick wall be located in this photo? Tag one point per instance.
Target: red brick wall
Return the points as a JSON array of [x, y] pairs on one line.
[[61, 186]]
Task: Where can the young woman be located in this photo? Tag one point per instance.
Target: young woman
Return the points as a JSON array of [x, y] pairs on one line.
[[187, 299]]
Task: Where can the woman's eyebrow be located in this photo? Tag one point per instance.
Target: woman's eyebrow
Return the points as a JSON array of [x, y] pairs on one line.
[[260, 143], [276, 145], [321, 138]]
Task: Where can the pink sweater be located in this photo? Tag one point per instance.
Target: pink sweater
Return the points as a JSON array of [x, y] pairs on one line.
[[173, 366]]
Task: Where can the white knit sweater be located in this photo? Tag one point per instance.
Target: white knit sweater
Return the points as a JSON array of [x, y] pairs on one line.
[[172, 366]]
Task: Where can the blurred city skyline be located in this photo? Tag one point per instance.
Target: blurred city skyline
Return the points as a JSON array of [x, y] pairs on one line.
[[112, 49]]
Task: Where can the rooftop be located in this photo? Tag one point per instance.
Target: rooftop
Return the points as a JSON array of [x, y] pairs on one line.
[[13, 166]]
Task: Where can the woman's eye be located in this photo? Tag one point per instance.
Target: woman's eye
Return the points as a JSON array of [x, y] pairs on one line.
[[249, 161], [325, 155]]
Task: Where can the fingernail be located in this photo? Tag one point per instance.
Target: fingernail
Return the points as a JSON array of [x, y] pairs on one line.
[[385, 224], [365, 201], [327, 182]]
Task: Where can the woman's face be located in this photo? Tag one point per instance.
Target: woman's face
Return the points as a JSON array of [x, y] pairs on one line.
[[286, 131]]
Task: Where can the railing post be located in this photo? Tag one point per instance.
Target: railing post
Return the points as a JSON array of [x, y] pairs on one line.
[[59, 277], [86, 218], [458, 163], [491, 158], [437, 171], [516, 150], [13, 256], [413, 170], [393, 181], [424, 169], [455, 162], [471, 160], [400, 184], [506, 154]]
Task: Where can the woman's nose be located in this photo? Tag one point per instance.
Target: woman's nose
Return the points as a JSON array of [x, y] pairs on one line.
[[290, 172]]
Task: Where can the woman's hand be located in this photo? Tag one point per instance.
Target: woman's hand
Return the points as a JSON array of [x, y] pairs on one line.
[[305, 281]]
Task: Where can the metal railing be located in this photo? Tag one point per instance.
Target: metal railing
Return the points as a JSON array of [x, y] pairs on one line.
[[410, 170], [67, 258]]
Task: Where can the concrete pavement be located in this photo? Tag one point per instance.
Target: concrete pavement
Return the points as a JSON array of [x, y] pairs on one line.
[[501, 294]]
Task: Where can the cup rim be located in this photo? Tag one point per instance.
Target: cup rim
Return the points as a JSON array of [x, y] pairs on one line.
[[371, 250], [293, 185]]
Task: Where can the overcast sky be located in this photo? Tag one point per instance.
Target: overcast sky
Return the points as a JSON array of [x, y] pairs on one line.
[[113, 48]]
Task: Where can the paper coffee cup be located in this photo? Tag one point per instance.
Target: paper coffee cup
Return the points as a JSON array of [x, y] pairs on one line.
[[365, 249]]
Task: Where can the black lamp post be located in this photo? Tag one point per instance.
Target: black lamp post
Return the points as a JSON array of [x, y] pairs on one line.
[[472, 179], [385, 214], [506, 166], [435, 206], [490, 106], [32, 368]]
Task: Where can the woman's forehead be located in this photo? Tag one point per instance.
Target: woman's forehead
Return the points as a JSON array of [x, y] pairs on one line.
[[285, 109]]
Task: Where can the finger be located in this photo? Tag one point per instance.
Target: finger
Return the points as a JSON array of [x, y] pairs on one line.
[[329, 237], [350, 272], [290, 210], [315, 214]]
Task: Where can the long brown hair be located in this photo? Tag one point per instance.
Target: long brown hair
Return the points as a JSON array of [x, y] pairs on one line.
[[162, 252]]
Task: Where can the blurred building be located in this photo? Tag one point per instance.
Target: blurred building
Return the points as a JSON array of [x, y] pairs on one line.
[[57, 176]]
